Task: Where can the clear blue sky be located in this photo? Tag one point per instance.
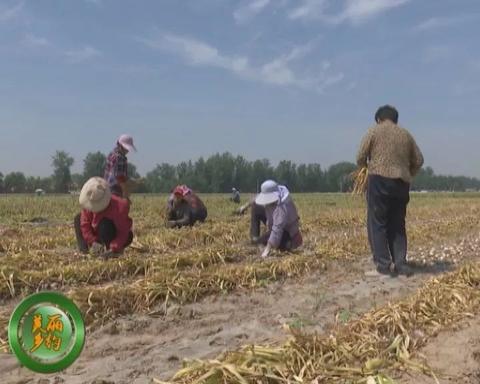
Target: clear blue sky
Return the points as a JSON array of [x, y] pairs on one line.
[[277, 79]]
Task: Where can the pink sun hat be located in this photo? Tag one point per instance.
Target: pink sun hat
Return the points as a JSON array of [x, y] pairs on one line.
[[126, 141]]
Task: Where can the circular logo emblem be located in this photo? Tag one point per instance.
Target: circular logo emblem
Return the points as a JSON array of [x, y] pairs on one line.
[[46, 332]]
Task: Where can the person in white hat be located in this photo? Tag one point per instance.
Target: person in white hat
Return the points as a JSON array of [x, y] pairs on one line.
[[116, 169], [103, 227], [283, 231]]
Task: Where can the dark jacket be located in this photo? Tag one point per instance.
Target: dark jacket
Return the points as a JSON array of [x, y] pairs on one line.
[[188, 211]]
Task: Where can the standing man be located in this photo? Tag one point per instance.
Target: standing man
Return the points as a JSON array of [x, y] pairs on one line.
[[116, 170], [393, 159]]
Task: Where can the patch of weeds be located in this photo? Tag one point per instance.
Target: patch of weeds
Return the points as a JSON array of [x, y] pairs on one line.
[[300, 323], [344, 316], [296, 324], [263, 283]]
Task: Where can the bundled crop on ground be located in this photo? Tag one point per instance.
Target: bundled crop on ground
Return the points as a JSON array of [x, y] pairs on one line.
[[382, 340], [100, 304], [37, 250], [17, 281]]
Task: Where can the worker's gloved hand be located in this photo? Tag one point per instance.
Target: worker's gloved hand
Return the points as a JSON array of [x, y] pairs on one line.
[[266, 251], [96, 249]]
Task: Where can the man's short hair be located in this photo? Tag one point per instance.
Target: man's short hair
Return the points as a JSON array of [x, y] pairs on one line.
[[387, 112]]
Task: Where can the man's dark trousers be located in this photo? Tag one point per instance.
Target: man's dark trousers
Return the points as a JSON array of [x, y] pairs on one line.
[[387, 207]]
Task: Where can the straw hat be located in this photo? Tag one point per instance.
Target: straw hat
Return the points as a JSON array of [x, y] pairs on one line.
[[95, 195], [269, 193]]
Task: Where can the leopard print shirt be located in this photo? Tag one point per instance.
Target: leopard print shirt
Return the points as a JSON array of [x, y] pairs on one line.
[[390, 151]]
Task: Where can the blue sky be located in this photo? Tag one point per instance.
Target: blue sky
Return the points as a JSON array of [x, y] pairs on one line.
[[277, 79]]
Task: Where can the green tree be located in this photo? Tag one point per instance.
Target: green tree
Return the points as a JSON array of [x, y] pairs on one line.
[[31, 183], [242, 170], [185, 172], [45, 183], [220, 172], [62, 178], [261, 171], [315, 179], [15, 182], [1, 183], [161, 179], [286, 174], [198, 179], [132, 171], [78, 179], [94, 165], [338, 176]]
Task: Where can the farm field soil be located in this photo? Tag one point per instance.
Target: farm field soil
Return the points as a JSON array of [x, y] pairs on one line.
[[454, 354], [136, 348], [139, 344]]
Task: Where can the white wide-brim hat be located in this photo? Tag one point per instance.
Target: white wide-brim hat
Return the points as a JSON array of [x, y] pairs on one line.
[[95, 195], [269, 193]]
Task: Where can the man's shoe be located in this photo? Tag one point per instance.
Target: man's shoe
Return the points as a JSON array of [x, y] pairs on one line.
[[372, 273], [379, 272], [404, 270]]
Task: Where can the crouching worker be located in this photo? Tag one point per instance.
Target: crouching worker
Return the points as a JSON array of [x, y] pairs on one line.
[[235, 196], [281, 216], [103, 228], [184, 208]]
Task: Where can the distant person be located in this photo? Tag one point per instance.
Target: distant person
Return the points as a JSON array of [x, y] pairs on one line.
[[184, 208], [275, 206], [103, 227], [116, 170], [235, 196], [393, 158], [243, 208]]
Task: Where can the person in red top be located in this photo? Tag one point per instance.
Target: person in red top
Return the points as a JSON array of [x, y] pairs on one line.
[[184, 208], [103, 227]]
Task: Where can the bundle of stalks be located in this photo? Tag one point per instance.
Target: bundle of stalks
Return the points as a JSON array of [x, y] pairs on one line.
[[360, 179], [14, 281], [382, 340], [103, 303]]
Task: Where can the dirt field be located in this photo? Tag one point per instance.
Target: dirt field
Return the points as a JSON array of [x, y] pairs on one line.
[[138, 345], [454, 354]]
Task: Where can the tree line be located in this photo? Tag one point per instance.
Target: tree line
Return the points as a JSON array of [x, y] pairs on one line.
[[218, 173]]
